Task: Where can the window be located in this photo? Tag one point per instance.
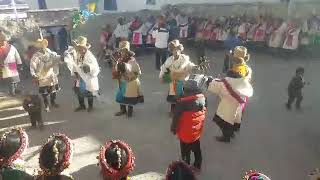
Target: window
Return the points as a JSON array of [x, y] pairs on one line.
[[151, 2], [110, 5], [42, 4]]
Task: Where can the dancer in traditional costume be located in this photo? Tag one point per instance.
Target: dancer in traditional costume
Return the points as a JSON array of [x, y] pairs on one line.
[[122, 31], [55, 158], [260, 30], [44, 68], [13, 144], [116, 160], [127, 72], [175, 70], [9, 62], [234, 90], [182, 21], [179, 170], [291, 41], [84, 66], [277, 34], [137, 28]]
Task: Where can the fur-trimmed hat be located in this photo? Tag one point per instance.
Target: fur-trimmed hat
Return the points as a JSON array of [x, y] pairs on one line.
[[13, 144], [255, 175], [240, 69], [55, 155], [179, 170], [116, 160], [175, 44], [124, 45]]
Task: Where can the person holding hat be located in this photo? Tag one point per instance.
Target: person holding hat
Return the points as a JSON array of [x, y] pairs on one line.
[[116, 160], [9, 62], [127, 72], [44, 68], [55, 157], [175, 70], [189, 117], [84, 66], [234, 91], [13, 144], [179, 170]]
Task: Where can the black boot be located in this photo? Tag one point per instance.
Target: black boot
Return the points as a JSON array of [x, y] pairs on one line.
[[236, 127], [90, 104], [123, 110], [130, 111]]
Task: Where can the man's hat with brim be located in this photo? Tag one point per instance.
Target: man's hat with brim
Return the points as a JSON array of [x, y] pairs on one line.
[[179, 170], [116, 160], [41, 43], [13, 144], [55, 155], [241, 52], [82, 41], [175, 44], [4, 37]]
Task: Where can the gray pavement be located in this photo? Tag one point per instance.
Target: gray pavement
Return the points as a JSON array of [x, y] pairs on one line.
[[282, 144]]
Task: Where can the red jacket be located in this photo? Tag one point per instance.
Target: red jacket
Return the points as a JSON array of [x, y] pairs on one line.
[[191, 122]]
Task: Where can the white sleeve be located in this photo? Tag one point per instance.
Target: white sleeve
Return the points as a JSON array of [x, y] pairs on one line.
[[33, 66], [154, 33], [164, 67], [17, 56], [214, 87], [94, 67]]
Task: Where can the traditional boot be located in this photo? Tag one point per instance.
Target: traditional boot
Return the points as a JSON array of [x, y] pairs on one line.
[[130, 111], [123, 110]]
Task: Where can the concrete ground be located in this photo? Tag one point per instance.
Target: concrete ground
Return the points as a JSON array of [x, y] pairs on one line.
[[282, 144]]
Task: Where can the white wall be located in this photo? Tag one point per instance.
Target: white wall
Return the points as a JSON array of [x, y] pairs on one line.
[[136, 5], [53, 4]]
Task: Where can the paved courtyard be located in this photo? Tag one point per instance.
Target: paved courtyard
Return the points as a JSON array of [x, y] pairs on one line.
[[284, 145]]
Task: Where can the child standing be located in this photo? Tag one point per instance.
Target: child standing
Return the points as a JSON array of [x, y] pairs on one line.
[[188, 120], [32, 104], [295, 89]]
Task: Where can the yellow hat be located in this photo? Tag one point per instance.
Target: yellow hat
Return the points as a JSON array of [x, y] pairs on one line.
[[82, 41], [240, 69], [124, 45], [41, 43], [4, 37], [241, 52]]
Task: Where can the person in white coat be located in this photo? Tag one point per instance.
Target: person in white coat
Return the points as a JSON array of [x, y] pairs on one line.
[[9, 62], [233, 92], [85, 67]]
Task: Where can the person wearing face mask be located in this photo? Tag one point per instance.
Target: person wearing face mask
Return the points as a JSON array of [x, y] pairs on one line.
[[175, 70], [9, 61], [44, 68]]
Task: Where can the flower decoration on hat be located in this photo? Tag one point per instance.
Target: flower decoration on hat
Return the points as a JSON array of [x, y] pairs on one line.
[[255, 175], [116, 160]]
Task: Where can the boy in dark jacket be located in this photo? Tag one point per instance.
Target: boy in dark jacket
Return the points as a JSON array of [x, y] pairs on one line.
[[188, 119], [32, 104], [295, 89]]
